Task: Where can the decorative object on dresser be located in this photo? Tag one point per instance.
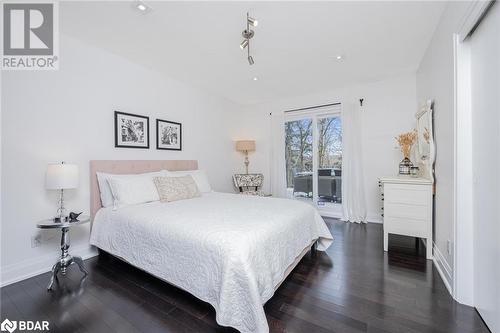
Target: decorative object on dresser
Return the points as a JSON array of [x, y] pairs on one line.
[[131, 130], [407, 208], [406, 141], [61, 176], [168, 135], [249, 184], [245, 146], [66, 259], [414, 171]]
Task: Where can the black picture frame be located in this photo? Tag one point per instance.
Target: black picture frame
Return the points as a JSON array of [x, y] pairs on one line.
[[118, 142], [161, 146]]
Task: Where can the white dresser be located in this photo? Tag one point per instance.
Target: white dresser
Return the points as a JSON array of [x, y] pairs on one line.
[[407, 208]]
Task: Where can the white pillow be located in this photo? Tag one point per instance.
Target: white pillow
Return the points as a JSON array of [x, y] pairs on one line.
[[133, 190], [104, 189], [199, 176], [107, 199]]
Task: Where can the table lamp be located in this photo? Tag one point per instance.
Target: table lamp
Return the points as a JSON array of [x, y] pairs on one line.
[[245, 146], [61, 176]]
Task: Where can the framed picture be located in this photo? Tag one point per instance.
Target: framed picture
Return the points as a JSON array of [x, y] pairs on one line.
[[131, 130], [168, 135]]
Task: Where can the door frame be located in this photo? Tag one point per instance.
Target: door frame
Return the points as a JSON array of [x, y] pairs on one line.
[[462, 288], [463, 223]]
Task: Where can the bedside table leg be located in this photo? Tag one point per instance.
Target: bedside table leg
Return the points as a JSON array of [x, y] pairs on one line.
[[65, 257], [55, 270], [79, 262]]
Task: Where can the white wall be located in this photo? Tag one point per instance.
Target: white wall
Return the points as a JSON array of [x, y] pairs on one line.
[[389, 108], [435, 80], [49, 116]]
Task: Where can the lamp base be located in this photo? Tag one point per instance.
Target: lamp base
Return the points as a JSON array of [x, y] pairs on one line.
[[61, 219], [247, 162], [61, 216]]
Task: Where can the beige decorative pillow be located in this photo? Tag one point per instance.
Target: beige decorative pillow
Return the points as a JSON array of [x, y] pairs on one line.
[[176, 188]]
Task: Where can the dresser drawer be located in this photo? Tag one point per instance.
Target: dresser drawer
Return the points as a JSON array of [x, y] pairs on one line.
[[407, 226], [409, 195], [406, 211]]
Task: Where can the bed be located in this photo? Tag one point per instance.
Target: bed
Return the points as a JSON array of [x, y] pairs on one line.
[[229, 250]]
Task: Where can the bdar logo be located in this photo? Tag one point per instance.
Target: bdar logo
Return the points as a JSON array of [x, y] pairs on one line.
[[8, 325], [24, 325]]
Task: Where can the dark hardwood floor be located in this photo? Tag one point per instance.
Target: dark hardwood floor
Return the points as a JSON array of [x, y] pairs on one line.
[[353, 287]]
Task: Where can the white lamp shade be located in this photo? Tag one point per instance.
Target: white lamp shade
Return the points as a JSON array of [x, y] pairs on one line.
[[61, 176]]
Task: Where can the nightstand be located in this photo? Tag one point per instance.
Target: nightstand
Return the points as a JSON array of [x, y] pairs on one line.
[[407, 208], [66, 259]]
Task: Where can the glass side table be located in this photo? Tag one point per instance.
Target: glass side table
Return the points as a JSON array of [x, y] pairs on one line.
[[66, 259]]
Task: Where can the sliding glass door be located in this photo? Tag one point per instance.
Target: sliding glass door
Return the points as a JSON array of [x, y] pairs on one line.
[[329, 160], [299, 158], [313, 153]]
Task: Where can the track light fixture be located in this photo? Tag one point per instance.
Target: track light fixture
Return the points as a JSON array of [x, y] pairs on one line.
[[244, 44], [247, 35], [253, 22]]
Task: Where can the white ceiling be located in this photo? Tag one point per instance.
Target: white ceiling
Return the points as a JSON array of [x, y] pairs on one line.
[[295, 44]]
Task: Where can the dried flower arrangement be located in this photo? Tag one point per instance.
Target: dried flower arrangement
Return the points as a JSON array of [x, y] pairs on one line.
[[406, 141]]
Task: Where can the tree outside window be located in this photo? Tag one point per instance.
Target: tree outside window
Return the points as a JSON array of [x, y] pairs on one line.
[[299, 143]]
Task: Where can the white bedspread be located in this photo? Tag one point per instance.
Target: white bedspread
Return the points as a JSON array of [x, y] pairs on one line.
[[226, 249]]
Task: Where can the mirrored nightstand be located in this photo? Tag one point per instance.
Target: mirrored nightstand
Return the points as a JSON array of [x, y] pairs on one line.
[[66, 259]]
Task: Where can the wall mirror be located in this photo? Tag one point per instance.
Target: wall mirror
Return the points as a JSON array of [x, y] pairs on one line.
[[425, 152]]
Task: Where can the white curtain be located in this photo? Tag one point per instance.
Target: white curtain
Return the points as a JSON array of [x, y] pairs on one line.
[[353, 191], [278, 167]]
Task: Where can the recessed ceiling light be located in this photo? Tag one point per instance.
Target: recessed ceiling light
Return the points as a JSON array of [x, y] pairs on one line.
[[141, 7], [255, 78], [340, 57]]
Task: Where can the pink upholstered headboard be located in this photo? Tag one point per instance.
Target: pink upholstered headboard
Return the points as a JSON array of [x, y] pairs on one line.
[[130, 167]]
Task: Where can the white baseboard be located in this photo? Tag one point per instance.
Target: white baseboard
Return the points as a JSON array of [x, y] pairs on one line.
[[325, 213], [31, 267], [375, 219], [443, 268], [369, 219]]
